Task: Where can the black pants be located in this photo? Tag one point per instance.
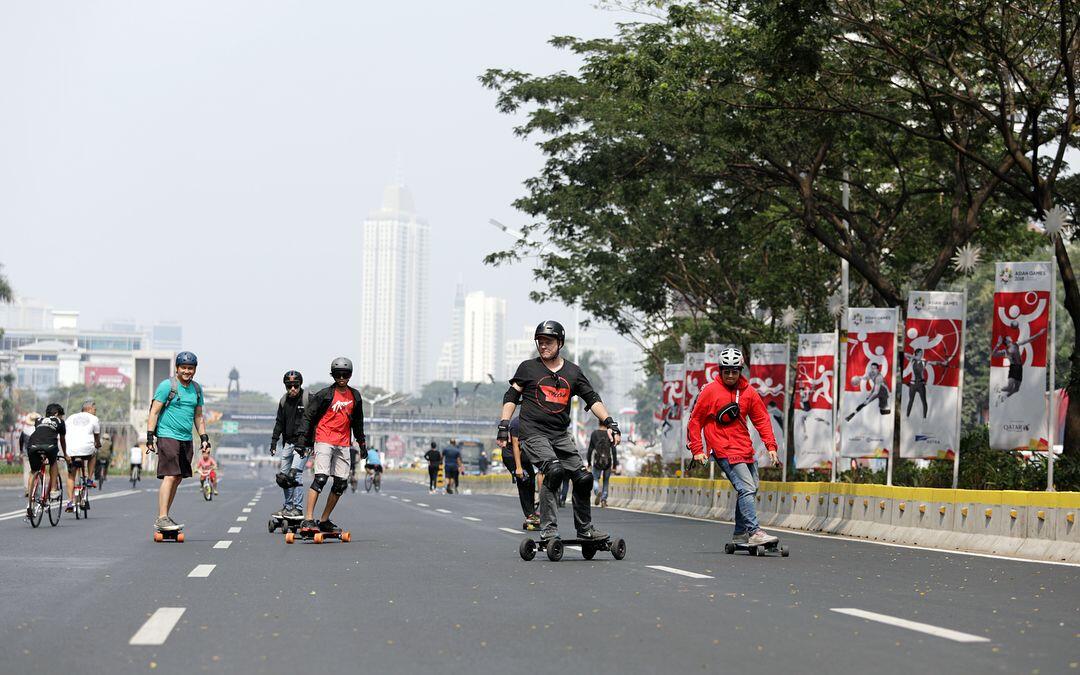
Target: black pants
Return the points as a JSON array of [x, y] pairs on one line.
[[433, 476], [526, 486]]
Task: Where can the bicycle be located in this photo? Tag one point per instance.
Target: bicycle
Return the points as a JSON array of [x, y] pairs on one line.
[[80, 497], [136, 469], [101, 472], [39, 501], [207, 488]]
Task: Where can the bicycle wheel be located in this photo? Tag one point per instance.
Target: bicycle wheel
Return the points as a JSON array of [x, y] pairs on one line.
[[368, 483], [207, 490], [134, 478], [36, 502], [378, 482], [85, 503], [55, 507]]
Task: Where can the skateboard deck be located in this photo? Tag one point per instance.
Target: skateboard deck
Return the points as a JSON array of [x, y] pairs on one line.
[[555, 548]]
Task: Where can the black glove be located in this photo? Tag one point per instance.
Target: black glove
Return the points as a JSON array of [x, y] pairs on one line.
[[273, 446], [612, 426], [504, 431], [204, 440], [151, 439]]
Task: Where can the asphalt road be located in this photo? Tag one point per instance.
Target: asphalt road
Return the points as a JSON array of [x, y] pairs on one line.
[[430, 583]]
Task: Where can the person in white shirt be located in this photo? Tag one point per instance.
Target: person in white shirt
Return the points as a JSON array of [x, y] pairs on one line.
[[136, 461], [83, 441]]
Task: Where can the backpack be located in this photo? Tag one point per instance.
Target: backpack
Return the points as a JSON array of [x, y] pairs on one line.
[[174, 384], [601, 457], [304, 397]]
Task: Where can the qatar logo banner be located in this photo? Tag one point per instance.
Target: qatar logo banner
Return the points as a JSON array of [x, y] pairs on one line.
[[670, 430], [768, 377], [866, 402], [712, 360], [933, 353], [815, 376], [1018, 356]]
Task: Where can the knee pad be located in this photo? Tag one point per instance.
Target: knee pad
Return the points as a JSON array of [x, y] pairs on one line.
[[339, 485], [319, 482], [553, 475], [283, 481], [582, 480]]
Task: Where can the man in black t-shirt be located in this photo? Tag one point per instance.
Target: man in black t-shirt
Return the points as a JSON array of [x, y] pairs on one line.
[[543, 387], [451, 466], [46, 444], [434, 458]]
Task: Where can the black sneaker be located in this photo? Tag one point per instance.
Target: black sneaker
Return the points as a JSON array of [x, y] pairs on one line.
[[549, 535], [593, 534], [280, 513], [328, 526], [309, 525]]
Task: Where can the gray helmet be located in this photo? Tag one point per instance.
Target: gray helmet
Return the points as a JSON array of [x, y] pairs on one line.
[[341, 363]]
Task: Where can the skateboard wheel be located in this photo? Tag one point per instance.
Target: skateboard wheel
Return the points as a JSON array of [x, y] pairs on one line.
[[784, 551], [180, 537], [752, 550], [318, 538], [527, 549], [588, 551], [159, 537], [271, 526], [555, 550], [346, 536], [618, 549], [729, 548], [289, 537]]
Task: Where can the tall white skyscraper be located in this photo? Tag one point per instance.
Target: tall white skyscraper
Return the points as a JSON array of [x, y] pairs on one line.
[[451, 356], [394, 296], [518, 350], [483, 330]]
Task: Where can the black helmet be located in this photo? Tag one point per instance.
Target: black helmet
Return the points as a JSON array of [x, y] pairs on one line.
[[341, 364], [54, 409], [551, 329], [293, 376], [187, 359]]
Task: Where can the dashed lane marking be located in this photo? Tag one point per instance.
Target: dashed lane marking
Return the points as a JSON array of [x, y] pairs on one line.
[[245, 510], [201, 571], [509, 531], [108, 495], [405, 499], [443, 511], [422, 504], [224, 543], [241, 519], [937, 631], [675, 570], [157, 628], [234, 530], [475, 520]]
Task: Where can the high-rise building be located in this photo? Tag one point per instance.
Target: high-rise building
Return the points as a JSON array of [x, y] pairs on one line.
[[393, 302], [483, 334], [518, 350], [451, 356]]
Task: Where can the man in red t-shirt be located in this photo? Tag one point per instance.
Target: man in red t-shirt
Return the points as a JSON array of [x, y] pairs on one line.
[[332, 418]]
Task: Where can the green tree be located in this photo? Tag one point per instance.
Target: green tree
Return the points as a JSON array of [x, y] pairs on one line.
[[113, 405]]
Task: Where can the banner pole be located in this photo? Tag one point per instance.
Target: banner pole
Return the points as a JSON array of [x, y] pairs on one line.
[[891, 459], [839, 365], [682, 423], [786, 399], [960, 390], [1051, 423]]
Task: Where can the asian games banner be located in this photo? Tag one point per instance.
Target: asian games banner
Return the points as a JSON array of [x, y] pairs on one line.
[[768, 376], [712, 358], [866, 399], [933, 352], [670, 429], [815, 373], [1018, 356]]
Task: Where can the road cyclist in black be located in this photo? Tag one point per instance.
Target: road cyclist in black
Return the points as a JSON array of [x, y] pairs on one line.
[[434, 459], [543, 388]]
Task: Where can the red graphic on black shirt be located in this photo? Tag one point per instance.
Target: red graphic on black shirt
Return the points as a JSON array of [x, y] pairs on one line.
[[553, 394]]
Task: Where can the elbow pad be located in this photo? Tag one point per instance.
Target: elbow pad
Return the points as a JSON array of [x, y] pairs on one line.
[[591, 399], [512, 396]]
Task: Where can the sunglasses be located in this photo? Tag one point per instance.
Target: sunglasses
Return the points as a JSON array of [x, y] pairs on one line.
[[728, 371], [341, 373], [292, 385]]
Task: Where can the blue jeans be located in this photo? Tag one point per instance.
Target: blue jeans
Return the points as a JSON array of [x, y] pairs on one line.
[[290, 459], [744, 478], [600, 486]]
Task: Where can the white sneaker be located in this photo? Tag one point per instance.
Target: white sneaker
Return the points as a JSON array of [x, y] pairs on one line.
[[760, 538]]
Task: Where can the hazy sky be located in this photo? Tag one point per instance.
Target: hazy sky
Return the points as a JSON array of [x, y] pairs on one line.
[[211, 162]]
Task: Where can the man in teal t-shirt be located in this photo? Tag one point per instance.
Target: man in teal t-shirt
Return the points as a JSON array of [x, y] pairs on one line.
[[168, 432]]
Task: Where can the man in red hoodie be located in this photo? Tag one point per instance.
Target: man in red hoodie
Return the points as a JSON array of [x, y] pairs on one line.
[[721, 411]]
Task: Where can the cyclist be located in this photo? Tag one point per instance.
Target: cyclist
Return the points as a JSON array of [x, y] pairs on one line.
[[207, 467], [83, 440], [543, 387], [104, 459], [291, 469], [524, 476], [47, 442], [721, 411], [135, 456], [374, 465], [176, 407], [451, 455], [434, 459], [331, 417]]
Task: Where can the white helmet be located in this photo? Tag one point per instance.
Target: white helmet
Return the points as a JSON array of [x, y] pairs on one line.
[[730, 358]]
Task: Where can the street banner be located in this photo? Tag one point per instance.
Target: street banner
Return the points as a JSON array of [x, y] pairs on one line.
[[1018, 356], [815, 373], [866, 400], [695, 379], [712, 359], [933, 354], [768, 376], [670, 429]]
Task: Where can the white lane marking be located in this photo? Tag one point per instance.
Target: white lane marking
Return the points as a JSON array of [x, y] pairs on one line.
[[421, 504], [443, 511], [22, 512], [245, 510], [234, 530], [673, 570], [574, 547], [251, 503], [224, 543], [475, 520], [201, 571], [937, 631], [241, 519], [157, 628], [856, 540], [405, 499], [393, 496], [509, 531]]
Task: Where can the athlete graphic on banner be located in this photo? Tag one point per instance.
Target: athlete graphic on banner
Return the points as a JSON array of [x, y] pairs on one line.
[[933, 346], [1018, 356], [768, 376], [671, 410], [866, 401], [815, 365]]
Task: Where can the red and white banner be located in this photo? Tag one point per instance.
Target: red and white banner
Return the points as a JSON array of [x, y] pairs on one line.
[[694, 380], [1018, 356], [866, 400], [933, 352], [712, 360], [105, 376], [670, 429], [815, 377], [768, 376]]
